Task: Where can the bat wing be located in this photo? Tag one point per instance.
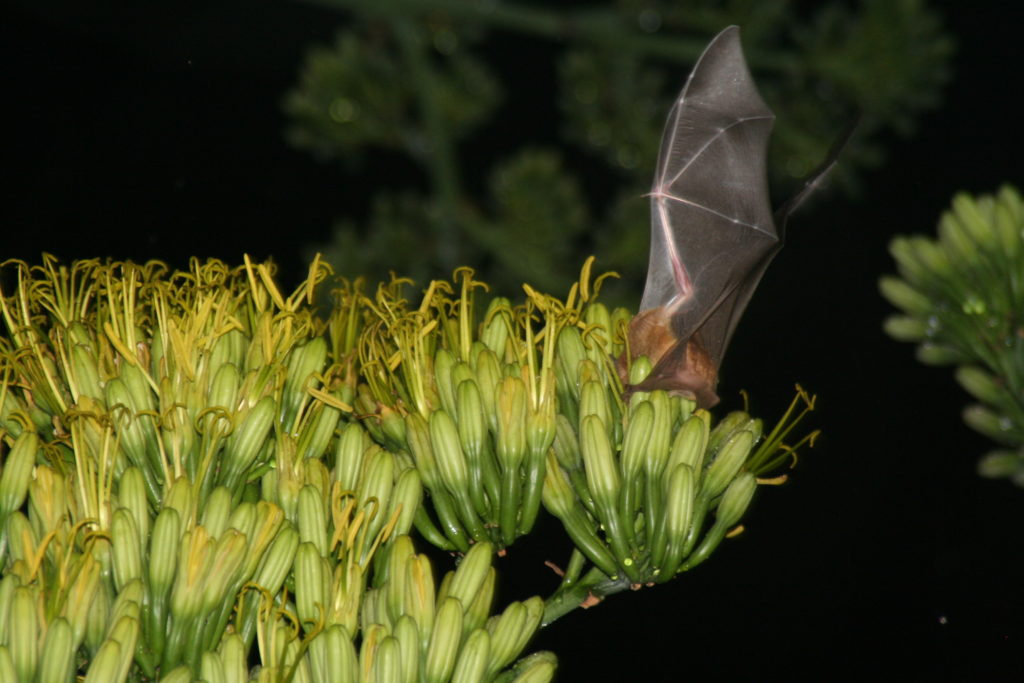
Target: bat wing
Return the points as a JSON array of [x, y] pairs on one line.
[[712, 233]]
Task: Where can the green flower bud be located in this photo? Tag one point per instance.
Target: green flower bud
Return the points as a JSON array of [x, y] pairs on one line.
[[505, 634], [408, 637], [473, 658], [58, 652], [312, 519], [471, 573], [451, 463], [727, 463], [990, 423], [444, 642], [510, 402], [602, 471], [981, 385], [904, 296], [444, 364], [17, 471], [23, 636], [736, 500]]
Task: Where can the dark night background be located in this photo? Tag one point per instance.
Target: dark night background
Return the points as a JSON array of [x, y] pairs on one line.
[[155, 131]]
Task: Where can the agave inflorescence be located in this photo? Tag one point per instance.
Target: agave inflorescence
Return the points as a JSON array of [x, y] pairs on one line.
[[200, 475], [962, 301]]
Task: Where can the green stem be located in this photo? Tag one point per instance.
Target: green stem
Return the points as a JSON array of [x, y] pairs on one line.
[[594, 584], [572, 571]]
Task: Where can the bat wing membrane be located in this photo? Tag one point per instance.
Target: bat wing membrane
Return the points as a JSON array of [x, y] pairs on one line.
[[711, 219]]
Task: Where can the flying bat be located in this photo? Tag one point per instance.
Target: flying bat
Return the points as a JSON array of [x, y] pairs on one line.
[[713, 233]]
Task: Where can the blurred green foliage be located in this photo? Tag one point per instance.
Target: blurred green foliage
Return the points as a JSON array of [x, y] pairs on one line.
[[961, 298], [421, 80]]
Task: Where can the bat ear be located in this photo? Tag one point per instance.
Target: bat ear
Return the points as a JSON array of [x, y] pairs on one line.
[[817, 177]]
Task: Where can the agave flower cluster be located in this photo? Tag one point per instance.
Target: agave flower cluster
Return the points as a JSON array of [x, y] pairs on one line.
[[962, 301], [205, 479]]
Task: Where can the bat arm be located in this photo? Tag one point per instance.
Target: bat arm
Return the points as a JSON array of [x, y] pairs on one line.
[[684, 284]]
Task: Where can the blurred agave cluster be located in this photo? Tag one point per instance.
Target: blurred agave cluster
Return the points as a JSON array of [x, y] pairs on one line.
[[962, 301], [205, 479]]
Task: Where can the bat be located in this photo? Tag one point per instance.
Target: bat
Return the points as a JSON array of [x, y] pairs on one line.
[[712, 229]]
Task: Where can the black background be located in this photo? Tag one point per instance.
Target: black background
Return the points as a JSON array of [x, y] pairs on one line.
[[156, 132]]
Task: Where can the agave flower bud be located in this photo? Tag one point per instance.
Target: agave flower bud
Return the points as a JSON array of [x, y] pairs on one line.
[[224, 387], [128, 601], [570, 352], [420, 596], [211, 668], [566, 445], [303, 362], [58, 652], [17, 470], [216, 511], [488, 376], [196, 558], [1007, 217], [226, 559], [727, 463], [1001, 463], [85, 372], [639, 368], [904, 296], [470, 574], [377, 483], [23, 640], [312, 581], [511, 408], [179, 674], [82, 596], [163, 563], [417, 433], [107, 662], [602, 471], [125, 632], [444, 642], [473, 657], [478, 610], [672, 537], [736, 500], [444, 364], [277, 562], [511, 632], [342, 662], [992, 424], [964, 229], [127, 552], [408, 637], [497, 325], [505, 633], [387, 662], [637, 440], [233, 659], [245, 442], [451, 463], [905, 328], [317, 433], [726, 428], [536, 668], [597, 314], [138, 386], [230, 347], [312, 519], [981, 385]]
